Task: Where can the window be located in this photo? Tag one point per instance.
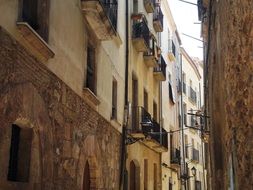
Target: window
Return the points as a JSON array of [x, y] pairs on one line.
[[114, 99], [30, 13], [91, 75], [135, 124], [36, 14], [184, 83], [145, 174], [20, 154], [155, 110], [186, 146], [155, 176], [185, 113], [134, 176], [86, 177], [135, 6], [145, 100]]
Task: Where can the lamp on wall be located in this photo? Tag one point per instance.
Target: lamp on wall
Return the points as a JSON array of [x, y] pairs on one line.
[[193, 169]]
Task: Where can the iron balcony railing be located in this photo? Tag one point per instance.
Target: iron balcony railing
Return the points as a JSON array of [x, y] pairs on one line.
[[175, 156], [193, 121], [158, 15], [195, 154], [111, 9], [163, 137], [140, 117], [161, 66], [193, 95], [151, 48], [142, 122], [141, 30]]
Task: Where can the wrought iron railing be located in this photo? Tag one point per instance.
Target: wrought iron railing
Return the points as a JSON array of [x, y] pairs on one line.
[[111, 9], [140, 117], [141, 30], [162, 138], [142, 122], [158, 15], [161, 66], [175, 156], [151, 48]]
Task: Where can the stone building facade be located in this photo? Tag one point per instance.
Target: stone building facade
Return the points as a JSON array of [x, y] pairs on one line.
[[170, 45], [227, 29], [62, 94], [66, 132]]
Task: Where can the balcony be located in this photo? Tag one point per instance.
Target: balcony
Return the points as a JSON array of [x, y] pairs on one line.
[[151, 56], [175, 157], [140, 33], [195, 155], [149, 5], [193, 95], [172, 50], [101, 16], [160, 70], [158, 19], [143, 126]]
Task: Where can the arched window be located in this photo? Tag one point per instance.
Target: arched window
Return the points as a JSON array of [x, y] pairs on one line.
[[86, 177], [134, 176], [20, 154]]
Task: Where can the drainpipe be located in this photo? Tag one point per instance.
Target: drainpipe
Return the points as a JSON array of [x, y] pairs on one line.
[[123, 171]]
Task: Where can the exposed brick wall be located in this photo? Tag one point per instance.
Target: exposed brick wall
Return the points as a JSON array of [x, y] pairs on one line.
[[67, 132], [230, 89]]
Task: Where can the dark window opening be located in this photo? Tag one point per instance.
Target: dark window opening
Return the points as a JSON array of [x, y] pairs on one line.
[[135, 124], [86, 177], [155, 111], [90, 77], [30, 13], [20, 154], [145, 174], [155, 176], [135, 6], [134, 176], [145, 100], [36, 14], [114, 99]]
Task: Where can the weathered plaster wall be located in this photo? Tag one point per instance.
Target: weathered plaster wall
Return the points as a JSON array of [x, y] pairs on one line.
[[230, 88], [138, 152], [68, 37], [66, 131]]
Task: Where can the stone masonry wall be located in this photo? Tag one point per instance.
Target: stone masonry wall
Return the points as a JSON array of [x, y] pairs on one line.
[[66, 131], [230, 85]]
